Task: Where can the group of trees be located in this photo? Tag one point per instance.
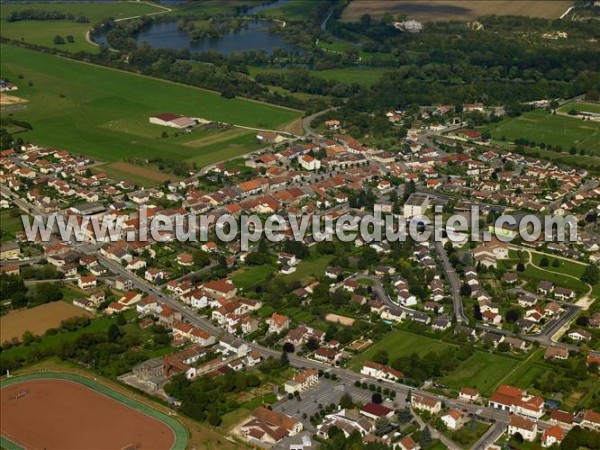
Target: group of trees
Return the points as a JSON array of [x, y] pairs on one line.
[[12, 287], [9, 139], [301, 80], [43, 14], [59, 40], [207, 399], [111, 350]]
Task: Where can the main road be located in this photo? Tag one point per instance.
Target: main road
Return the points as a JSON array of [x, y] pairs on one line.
[[196, 320]]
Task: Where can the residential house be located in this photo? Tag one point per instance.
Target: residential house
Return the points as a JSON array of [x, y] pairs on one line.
[[556, 353], [552, 436], [87, 282], [426, 403], [328, 355], [518, 401], [268, 427], [453, 419], [278, 323], [527, 428], [381, 372], [469, 395]]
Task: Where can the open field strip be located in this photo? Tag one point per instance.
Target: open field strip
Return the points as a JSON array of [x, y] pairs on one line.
[[580, 107], [37, 319], [445, 10], [142, 176], [360, 75], [103, 113]]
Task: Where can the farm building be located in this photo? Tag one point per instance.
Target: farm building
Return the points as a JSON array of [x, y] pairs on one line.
[[174, 121]]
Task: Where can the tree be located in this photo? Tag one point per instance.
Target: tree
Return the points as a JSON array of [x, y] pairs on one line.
[[591, 275], [544, 262], [425, 440], [285, 360], [520, 267], [288, 347], [201, 258], [512, 315], [503, 347], [376, 398], [404, 415], [113, 332], [58, 40], [380, 357], [346, 401]]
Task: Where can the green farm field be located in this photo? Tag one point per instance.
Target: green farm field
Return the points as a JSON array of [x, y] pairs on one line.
[[43, 32], [541, 126], [400, 343], [104, 113]]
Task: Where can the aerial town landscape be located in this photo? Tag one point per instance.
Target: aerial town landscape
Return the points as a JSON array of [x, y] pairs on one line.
[[292, 131]]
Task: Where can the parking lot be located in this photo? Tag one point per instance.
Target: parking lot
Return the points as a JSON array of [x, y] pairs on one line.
[[324, 393]]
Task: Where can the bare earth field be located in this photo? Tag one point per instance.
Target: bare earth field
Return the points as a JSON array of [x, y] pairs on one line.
[[336, 318], [445, 10], [7, 100], [64, 414], [139, 171], [38, 319]]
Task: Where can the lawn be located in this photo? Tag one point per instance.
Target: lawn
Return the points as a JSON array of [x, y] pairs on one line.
[[104, 113], [536, 275], [400, 343], [542, 127], [482, 371], [313, 266], [566, 267], [10, 223], [526, 374], [43, 32], [250, 276]]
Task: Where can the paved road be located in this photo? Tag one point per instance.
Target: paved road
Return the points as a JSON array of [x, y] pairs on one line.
[[344, 374], [453, 280]]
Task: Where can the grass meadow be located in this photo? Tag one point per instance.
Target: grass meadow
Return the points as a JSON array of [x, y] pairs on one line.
[[103, 113], [400, 343], [482, 371], [542, 127], [42, 33]]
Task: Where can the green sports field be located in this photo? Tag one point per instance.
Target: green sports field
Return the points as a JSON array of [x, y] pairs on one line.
[[542, 127], [180, 432], [43, 32], [104, 113]]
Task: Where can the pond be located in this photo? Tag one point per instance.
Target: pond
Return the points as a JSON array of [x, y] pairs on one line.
[[255, 35]]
